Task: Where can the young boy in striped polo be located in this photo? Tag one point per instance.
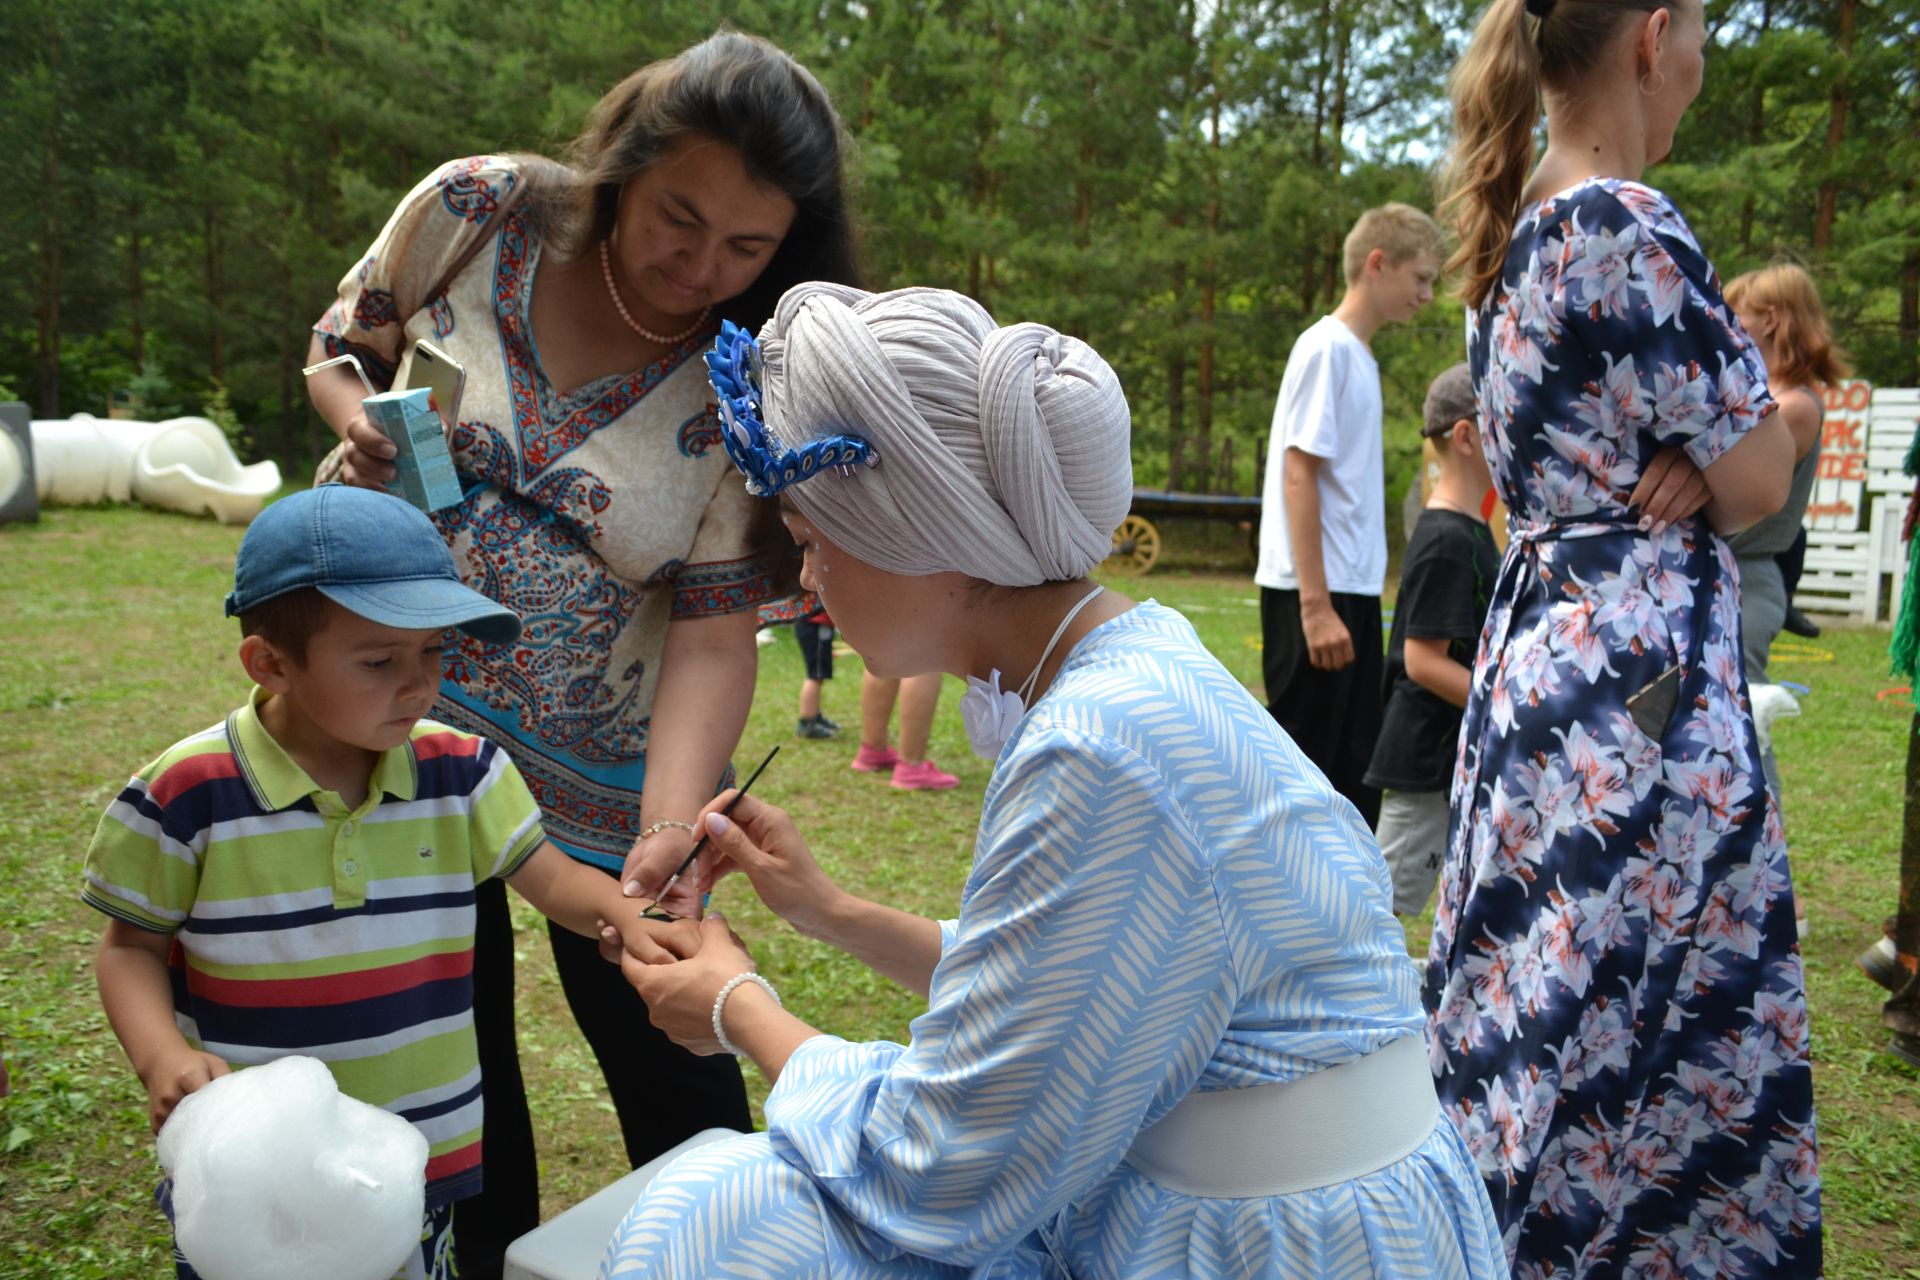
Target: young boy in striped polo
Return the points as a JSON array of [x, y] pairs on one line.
[[299, 879]]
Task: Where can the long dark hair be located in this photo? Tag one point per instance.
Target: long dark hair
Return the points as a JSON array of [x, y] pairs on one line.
[[745, 92], [1495, 89]]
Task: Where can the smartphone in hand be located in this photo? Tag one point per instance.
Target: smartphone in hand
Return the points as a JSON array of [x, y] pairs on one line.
[[441, 374]]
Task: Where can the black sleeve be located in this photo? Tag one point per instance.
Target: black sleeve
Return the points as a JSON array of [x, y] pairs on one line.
[[1437, 587]]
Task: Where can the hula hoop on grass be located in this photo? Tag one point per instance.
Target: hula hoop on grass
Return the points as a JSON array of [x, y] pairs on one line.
[[1797, 651]]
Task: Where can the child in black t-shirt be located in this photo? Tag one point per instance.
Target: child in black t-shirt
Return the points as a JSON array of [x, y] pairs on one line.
[[1446, 582]]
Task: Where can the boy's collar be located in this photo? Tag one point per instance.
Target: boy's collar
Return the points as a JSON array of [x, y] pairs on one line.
[[278, 782]]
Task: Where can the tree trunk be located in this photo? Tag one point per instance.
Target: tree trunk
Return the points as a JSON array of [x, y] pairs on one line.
[[136, 286], [1756, 130], [1910, 313], [1337, 153], [1209, 286], [1176, 414], [216, 298], [1316, 157], [1837, 106], [292, 393], [1083, 182], [46, 350]]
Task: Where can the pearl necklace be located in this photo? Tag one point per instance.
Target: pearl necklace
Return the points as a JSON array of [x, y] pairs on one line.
[[665, 340]]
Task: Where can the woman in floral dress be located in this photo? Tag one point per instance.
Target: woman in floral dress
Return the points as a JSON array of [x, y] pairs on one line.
[[1617, 1018]]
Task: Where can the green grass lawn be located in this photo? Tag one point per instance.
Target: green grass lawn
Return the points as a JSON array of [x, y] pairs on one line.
[[112, 645]]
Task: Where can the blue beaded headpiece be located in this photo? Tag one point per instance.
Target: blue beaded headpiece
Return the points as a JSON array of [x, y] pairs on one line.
[[733, 367]]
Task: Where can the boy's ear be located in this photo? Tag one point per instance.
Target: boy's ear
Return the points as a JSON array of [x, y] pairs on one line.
[[1464, 434], [1376, 262], [265, 664]]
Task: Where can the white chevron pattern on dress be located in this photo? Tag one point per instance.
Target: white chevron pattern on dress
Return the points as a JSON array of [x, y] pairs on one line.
[[1165, 896]]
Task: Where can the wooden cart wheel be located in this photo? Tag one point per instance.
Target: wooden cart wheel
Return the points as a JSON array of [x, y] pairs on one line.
[[1136, 545]]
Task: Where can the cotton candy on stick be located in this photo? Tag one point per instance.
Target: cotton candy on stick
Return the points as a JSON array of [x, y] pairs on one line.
[[276, 1173]]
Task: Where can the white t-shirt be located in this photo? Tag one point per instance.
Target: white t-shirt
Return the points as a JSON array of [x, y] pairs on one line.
[[1329, 407]]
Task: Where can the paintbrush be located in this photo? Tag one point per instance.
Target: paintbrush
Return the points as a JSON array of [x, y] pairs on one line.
[[701, 843]]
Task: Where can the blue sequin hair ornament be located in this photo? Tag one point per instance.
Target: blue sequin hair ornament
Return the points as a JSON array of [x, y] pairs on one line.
[[733, 367]]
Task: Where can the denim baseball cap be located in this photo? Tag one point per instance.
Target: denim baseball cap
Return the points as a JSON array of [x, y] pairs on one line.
[[370, 553]]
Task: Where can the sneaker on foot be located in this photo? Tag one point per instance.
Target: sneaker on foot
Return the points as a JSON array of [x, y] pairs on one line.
[[815, 727], [1882, 963], [874, 760], [833, 726], [1800, 624], [925, 776]]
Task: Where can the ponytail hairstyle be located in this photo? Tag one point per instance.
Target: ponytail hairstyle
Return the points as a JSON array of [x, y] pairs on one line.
[[1803, 351], [1519, 48]]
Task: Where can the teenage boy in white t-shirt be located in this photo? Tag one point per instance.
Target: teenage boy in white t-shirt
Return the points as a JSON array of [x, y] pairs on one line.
[[1323, 539]]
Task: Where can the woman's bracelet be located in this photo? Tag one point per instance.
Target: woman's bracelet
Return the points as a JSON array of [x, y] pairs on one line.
[[720, 1005], [664, 823]]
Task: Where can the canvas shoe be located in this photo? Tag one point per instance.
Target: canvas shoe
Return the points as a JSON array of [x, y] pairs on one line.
[[817, 727], [925, 776], [869, 760], [1800, 624]]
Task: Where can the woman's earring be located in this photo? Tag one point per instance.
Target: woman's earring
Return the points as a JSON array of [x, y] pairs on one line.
[[1656, 88]]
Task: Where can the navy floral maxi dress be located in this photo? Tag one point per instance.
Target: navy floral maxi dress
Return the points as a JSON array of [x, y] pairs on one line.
[[1614, 990]]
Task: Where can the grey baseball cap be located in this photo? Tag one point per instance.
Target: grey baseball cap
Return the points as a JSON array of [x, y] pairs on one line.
[[1449, 399]]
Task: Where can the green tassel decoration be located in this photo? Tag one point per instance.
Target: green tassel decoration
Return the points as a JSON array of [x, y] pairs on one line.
[[1905, 647]]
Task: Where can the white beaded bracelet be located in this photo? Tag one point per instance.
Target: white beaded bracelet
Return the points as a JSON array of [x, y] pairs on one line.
[[720, 1004]]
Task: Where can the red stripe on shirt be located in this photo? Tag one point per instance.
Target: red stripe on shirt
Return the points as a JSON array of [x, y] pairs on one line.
[[431, 746], [333, 988], [194, 771], [458, 1160]]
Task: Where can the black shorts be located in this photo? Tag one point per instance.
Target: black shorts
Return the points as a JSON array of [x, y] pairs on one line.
[[816, 648], [1332, 716]]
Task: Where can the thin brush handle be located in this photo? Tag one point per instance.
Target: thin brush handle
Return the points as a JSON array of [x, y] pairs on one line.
[[701, 843]]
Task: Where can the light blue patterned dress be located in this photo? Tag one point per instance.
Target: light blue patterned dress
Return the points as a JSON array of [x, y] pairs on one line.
[[1166, 896]]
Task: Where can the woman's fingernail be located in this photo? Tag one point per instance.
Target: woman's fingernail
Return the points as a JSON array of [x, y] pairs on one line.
[[631, 888], [1646, 523], [1659, 528], [717, 824]]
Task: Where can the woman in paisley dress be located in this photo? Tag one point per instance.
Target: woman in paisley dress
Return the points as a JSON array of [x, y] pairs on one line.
[[1617, 1018], [1172, 1031], [600, 507]]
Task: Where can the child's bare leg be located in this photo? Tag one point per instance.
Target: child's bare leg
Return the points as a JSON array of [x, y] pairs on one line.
[[918, 698], [876, 708]]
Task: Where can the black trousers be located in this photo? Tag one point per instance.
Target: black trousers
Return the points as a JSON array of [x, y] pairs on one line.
[[661, 1093], [1332, 716]]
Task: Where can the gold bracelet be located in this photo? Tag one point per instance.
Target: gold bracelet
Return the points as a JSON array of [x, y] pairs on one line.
[[663, 824]]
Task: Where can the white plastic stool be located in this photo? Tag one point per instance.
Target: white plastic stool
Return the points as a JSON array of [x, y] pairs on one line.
[[570, 1246]]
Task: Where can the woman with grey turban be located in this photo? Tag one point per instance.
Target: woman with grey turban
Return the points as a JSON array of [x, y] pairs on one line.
[[1173, 1030]]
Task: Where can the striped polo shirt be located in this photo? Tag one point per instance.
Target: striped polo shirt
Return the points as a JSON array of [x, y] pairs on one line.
[[301, 927]]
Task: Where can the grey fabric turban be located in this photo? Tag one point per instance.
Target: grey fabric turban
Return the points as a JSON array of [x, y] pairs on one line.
[[1004, 453]]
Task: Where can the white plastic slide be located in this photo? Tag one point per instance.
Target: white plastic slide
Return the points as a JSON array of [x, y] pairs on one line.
[[182, 464]]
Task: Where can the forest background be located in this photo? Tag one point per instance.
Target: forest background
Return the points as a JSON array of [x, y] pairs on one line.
[[1170, 179]]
